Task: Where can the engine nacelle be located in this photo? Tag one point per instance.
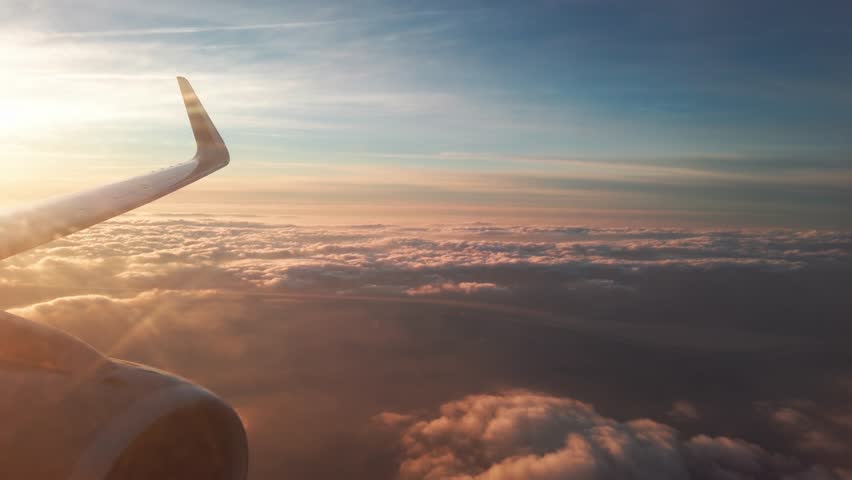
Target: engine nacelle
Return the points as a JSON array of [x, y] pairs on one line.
[[69, 413]]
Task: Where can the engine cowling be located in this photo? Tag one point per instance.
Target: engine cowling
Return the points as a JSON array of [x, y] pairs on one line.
[[69, 413]]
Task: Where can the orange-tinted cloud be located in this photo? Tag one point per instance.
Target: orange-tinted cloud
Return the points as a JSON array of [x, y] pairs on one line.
[[522, 435], [319, 329]]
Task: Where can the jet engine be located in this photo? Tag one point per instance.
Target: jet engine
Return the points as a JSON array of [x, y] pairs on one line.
[[70, 413]]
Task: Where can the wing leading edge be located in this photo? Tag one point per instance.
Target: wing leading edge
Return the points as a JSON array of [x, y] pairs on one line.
[[33, 225]]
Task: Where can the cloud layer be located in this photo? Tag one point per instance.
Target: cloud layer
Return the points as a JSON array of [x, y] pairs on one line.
[[524, 435], [413, 260], [319, 329]]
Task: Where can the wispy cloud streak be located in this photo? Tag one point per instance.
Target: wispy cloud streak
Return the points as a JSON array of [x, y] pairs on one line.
[[188, 30], [192, 30]]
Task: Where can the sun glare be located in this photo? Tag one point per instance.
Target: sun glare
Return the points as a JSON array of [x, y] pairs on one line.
[[29, 116]]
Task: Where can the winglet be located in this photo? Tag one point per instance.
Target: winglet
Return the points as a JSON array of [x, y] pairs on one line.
[[207, 138]]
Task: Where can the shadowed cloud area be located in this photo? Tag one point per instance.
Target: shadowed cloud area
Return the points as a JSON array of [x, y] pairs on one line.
[[478, 351]]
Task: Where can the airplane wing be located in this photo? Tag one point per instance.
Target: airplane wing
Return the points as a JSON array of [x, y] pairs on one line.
[[33, 225]]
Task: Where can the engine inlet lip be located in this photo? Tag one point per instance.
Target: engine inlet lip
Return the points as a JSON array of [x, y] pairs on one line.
[[98, 458]]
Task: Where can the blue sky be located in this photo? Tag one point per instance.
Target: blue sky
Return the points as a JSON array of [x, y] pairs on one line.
[[668, 112]]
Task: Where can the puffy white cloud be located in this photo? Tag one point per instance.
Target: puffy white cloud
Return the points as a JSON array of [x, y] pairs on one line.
[[524, 435]]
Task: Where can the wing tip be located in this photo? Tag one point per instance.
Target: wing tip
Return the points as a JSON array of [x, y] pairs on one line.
[[206, 135], [186, 91]]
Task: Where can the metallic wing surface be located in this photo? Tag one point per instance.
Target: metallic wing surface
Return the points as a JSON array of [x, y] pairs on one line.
[[33, 225]]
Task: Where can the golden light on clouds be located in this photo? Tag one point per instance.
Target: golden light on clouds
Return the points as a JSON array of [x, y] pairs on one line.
[[445, 235]]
